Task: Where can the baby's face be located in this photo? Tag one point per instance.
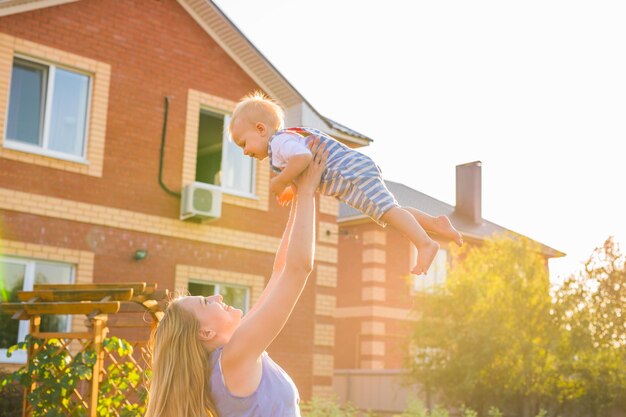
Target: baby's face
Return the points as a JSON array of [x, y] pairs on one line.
[[252, 138]]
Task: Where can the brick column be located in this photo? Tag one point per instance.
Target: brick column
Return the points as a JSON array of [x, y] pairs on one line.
[[371, 338]]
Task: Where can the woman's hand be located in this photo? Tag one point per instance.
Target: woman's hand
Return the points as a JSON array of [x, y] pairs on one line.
[[309, 180]]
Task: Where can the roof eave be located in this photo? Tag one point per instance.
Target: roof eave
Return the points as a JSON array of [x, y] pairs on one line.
[[357, 141], [249, 58], [228, 36], [20, 6], [363, 219]]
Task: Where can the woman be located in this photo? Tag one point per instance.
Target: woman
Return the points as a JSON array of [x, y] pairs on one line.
[[207, 360]]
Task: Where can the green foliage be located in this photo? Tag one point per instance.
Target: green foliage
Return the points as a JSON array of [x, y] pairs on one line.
[[11, 396], [493, 335], [320, 407], [494, 412], [468, 412], [486, 338], [55, 375], [415, 408], [590, 309]]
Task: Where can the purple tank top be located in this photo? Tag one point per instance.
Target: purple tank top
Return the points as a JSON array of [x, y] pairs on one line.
[[276, 395]]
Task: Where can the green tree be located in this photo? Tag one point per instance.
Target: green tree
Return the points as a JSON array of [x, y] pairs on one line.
[[590, 308], [487, 337]]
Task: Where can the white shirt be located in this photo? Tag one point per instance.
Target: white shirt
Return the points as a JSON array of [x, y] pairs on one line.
[[284, 146]]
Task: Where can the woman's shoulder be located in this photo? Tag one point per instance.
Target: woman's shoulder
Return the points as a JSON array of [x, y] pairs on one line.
[[214, 356]]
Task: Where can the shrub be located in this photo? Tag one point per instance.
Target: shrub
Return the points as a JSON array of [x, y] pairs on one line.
[[56, 376], [319, 407], [11, 398]]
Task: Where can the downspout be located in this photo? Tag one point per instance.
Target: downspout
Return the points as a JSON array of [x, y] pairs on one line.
[[161, 183]]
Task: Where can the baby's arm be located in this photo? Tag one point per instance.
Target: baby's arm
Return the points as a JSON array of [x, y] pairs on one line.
[[295, 166]]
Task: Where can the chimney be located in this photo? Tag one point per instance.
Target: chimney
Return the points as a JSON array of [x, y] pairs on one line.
[[468, 191]]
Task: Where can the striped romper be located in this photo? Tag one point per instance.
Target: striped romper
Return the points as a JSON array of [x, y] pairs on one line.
[[350, 176]]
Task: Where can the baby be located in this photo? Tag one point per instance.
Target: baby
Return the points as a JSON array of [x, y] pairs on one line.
[[256, 126]]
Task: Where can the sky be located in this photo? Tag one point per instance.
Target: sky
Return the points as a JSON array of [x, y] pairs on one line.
[[535, 90]]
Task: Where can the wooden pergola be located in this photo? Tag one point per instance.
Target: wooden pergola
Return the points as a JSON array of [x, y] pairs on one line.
[[97, 302]]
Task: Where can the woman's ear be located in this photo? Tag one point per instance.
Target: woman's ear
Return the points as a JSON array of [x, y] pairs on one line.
[[206, 335]]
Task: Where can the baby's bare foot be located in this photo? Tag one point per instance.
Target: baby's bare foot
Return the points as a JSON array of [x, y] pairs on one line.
[[425, 255], [444, 227]]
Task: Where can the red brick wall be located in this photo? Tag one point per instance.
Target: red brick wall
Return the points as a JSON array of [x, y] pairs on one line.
[[351, 263], [155, 49]]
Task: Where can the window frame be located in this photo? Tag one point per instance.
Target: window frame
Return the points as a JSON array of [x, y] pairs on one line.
[[218, 284], [19, 356], [43, 150], [225, 141]]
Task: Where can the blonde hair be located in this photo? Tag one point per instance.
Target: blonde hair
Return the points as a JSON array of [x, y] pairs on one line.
[[180, 367], [257, 107]]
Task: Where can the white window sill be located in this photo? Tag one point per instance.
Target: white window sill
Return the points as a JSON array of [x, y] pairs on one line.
[[240, 194], [16, 146], [18, 357]]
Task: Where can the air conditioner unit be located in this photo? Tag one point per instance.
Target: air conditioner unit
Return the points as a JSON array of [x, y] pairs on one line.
[[201, 201]]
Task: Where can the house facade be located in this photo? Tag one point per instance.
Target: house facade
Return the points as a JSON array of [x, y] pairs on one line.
[[376, 291], [108, 111]]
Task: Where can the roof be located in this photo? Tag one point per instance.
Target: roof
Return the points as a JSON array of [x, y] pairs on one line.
[[347, 130], [239, 48], [407, 196]]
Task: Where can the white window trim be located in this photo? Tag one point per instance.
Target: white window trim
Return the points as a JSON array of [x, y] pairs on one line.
[[225, 140], [217, 285], [19, 356], [43, 149], [237, 193], [23, 147]]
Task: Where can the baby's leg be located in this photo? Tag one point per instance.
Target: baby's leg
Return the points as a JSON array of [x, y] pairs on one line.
[[439, 224], [403, 221]]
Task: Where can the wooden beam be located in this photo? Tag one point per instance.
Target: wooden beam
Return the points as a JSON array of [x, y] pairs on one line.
[[38, 309], [11, 308], [136, 308], [63, 335], [150, 288], [138, 287], [124, 294], [125, 321], [156, 295]]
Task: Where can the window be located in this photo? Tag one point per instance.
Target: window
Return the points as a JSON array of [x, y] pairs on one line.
[[237, 296], [219, 161], [21, 274], [436, 275], [428, 356], [48, 110]]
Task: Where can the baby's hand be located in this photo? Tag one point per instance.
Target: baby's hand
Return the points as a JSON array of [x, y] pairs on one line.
[[284, 199], [277, 186]]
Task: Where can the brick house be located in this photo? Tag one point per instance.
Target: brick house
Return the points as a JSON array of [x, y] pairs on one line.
[[81, 199], [374, 302], [84, 150]]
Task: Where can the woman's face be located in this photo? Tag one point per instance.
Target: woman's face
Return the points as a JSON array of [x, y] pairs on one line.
[[213, 314]]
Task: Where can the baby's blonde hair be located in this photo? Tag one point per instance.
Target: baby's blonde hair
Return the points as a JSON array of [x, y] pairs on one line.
[[180, 367], [257, 107]]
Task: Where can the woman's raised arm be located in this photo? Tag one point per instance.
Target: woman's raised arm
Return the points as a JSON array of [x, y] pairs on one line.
[[281, 253], [241, 354]]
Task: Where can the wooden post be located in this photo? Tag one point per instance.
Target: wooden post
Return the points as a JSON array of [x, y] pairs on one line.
[[96, 301], [99, 332], [35, 322]]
